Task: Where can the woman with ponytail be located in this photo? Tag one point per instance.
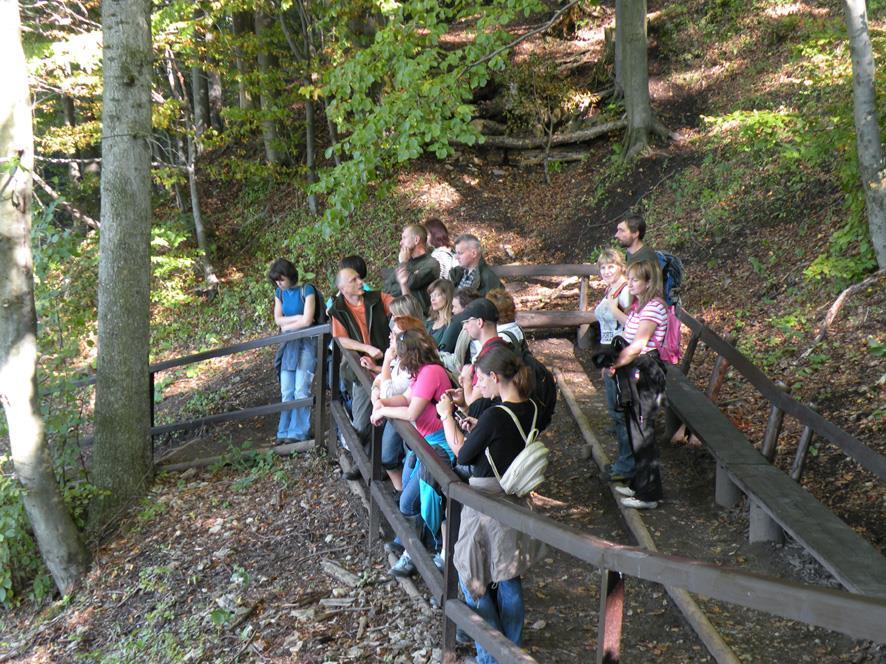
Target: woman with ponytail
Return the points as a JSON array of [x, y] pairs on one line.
[[490, 558]]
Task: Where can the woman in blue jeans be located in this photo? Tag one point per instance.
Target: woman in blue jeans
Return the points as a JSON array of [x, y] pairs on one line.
[[296, 360], [490, 557]]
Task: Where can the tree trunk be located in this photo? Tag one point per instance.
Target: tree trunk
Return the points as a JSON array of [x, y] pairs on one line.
[[177, 85], [635, 75], [273, 152], [619, 49], [57, 536], [867, 128], [70, 115], [122, 460], [216, 101], [200, 95], [243, 25]]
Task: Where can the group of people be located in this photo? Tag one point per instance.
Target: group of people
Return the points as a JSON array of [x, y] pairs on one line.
[[439, 341]]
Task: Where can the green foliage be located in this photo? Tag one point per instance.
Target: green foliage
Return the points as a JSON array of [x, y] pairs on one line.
[[20, 561], [407, 93]]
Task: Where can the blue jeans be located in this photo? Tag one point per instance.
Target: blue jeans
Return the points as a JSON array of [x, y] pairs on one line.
[[296, 422], [392, 452], [502, 607], [410, 498], [625, 464]]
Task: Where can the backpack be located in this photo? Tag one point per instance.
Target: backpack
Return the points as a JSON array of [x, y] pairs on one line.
[[545, 392], [672, 276], [527, 470], [320, 315], [670, 350]]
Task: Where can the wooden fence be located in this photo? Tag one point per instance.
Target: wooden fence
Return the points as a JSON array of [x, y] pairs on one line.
[[858, 616]]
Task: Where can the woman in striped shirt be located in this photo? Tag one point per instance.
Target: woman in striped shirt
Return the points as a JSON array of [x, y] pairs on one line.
[[640, 378]]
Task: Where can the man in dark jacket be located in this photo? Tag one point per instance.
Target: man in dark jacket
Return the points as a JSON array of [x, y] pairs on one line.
[[472, 270], [416, 270], [360, 322]]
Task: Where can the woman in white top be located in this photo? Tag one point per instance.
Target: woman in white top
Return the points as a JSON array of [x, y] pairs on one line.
[[438, 239], [610, 313], [640, 374]]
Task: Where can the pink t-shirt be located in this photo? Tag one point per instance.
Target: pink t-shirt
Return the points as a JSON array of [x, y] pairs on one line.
[[656, 312], [430, 383]]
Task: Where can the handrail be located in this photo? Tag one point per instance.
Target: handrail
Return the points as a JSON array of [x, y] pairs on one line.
[[513, 270], [312, 331], [864, 455], [858, 616]]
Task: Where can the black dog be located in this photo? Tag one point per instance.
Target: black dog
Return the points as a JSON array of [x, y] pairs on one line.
[[641, 393]]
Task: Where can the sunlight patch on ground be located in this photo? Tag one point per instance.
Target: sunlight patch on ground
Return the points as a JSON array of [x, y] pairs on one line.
[[795, 8], [430, 192]]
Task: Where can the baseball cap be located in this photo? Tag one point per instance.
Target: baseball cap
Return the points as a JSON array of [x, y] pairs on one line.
[[481, 308]]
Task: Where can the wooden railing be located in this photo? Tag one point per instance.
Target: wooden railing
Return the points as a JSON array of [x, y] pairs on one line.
[[855, 615]]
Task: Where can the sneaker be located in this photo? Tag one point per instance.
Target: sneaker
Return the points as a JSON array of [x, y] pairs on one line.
[[354, 473], [341, 441], [439, 563], [395, 547], [638, 504], [625, 491], [403, 567]]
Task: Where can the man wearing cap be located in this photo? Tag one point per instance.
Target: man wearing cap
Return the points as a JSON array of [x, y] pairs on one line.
[[480, 321]]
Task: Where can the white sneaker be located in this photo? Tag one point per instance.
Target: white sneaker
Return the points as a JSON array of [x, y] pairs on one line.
[[638, 504], [624, 490]]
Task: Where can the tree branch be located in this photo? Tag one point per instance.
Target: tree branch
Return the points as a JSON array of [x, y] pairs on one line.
[[834, 311], [79, 216], [534, 31], [557, 139]]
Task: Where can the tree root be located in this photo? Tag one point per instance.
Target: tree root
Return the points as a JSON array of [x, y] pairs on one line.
[[835, 308]]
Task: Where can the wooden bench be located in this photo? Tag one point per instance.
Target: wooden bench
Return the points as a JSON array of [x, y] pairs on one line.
[[775, 498]]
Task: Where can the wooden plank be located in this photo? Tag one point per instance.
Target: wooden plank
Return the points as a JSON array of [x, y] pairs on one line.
[[495, 643], [853, 560], [242, 414], [847, 555], [854, 448], [726, 443], [545, 319], [515, 271]]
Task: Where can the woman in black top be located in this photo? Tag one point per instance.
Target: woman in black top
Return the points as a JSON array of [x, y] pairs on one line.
[[489, 556]]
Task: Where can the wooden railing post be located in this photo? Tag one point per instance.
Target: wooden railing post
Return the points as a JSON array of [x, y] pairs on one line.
[[581, 339], [319, 392], [334, 395], [802, 451], [376, 475], [726, 493], [450, 578], [691, 347], [612, 600], [718, 374], [773, 429]]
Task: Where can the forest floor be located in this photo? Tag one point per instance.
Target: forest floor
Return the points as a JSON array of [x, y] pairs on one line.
[[243, 562]]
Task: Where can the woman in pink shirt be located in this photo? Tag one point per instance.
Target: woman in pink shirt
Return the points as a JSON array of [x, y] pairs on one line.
[[640, 379], [429, 380]]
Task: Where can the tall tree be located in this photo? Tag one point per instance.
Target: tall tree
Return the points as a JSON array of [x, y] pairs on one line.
[[635, 78], [56, 534], [266, 64], [867, 128], [122, 461]]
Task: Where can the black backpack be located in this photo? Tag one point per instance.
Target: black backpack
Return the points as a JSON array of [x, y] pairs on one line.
[[320, 315], [545, 392]]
